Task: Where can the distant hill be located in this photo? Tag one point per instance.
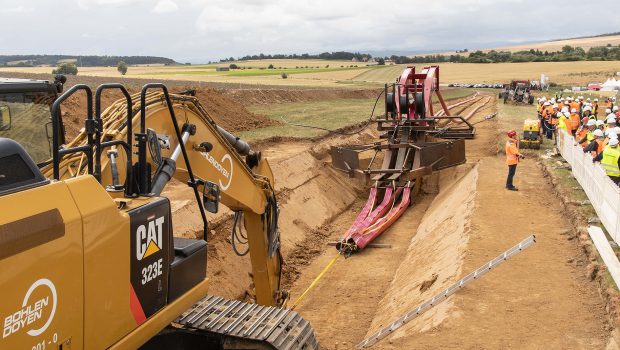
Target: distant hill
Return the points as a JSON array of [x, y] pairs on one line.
[[556, 45], [83, 61]]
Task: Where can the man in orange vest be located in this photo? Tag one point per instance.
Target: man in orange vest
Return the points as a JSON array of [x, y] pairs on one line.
[[512, 158]]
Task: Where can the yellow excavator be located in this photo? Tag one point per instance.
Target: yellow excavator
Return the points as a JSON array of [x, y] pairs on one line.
[[88, 259]]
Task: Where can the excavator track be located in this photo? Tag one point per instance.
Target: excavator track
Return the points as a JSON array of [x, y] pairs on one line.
[[239, 325]]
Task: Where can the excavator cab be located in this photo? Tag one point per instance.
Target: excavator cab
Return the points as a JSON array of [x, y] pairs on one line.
[[25, 114], [88, 259]]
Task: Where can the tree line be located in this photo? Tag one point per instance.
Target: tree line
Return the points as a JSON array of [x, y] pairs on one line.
[[568, 53], [86, 61], [338, 55]]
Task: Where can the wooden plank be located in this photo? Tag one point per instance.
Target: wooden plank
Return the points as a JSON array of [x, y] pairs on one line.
[[606, 252]]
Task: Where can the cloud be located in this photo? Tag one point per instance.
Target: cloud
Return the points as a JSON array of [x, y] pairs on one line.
[[165, 6], [87, 4], [202, 30], [18, 9]]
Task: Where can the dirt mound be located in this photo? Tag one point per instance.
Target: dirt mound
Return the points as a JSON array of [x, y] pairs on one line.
[[270, 96], [438, 246], [227, 113]]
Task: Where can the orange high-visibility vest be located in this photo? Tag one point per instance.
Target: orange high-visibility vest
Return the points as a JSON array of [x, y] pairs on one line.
[[512, 152], [574, 120], [581, 134], [601, 145]]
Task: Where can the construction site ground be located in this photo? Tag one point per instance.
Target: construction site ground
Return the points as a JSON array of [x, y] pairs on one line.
[[541, 299], [464, 217]]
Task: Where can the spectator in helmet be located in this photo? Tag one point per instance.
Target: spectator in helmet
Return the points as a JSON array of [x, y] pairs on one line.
[[595, 147], [610, 159]]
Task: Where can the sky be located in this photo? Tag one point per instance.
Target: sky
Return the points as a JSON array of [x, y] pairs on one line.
[[202, 30]]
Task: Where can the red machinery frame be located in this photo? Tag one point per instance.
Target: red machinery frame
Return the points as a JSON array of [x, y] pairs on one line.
[[409, 140]]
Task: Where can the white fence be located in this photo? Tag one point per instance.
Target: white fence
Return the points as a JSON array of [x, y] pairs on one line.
[[603, 193]]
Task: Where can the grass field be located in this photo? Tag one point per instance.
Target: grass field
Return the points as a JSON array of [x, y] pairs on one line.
[[341, 74], [332, 114]]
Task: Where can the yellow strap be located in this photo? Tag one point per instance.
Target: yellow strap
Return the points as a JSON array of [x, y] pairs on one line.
[[301, 297]]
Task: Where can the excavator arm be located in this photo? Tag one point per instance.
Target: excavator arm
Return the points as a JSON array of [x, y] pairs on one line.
[[183, 142]]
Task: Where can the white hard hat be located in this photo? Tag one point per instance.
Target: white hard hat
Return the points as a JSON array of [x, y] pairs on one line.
[[596, 100], [587, 108], [559, 114], [543, 98], [600, 123], [555, 106], [617, 129], [591, 122], [598, 133], [615, 108], [564, 109], [611, 116], [581, 97], [573, 110], [566, 114], [608, 111], [553, 100], [588, 99], [546, 104], [613, 142]]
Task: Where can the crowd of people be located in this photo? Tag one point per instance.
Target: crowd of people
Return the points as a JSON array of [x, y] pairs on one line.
[[579, 118]]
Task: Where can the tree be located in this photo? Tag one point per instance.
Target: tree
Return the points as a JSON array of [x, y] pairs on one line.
[[121, 67], [66, 68], [380, 61], [284, 75], [270, 66], [233, 66]]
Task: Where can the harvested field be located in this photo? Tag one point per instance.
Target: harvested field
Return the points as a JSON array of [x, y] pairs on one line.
[[570, 73]]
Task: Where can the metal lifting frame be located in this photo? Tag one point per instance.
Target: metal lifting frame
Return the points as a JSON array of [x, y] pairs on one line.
[[413, 145]]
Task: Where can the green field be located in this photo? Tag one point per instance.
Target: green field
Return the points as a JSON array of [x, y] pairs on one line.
[[332, 114]]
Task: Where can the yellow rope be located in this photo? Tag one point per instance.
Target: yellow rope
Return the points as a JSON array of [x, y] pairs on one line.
[[316, 280]]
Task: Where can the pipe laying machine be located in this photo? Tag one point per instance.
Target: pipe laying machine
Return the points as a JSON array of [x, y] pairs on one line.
[[411, 147]]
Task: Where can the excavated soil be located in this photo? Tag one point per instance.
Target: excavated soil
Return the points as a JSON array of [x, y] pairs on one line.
[[226, 112]]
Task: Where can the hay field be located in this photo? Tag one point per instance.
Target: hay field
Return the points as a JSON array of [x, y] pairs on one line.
[[569, 73], [564, 73]]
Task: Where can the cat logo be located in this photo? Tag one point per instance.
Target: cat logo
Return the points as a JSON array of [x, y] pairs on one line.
[[149, 238]]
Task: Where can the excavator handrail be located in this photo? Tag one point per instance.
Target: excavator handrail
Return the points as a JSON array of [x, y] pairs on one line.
[[90, 128], [141, 138], [129, 190]]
